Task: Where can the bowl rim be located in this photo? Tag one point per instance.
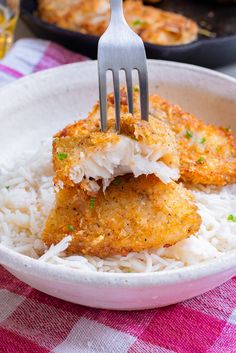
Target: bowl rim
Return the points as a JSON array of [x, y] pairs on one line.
[[24, 264], [17, 262]]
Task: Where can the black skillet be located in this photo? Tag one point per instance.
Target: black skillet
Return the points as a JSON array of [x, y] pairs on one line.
[[216, 17]]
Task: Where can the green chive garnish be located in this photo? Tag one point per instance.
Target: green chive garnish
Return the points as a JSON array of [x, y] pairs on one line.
[[138, 22], [206, 33], [116, 181], [231, 218], [7, 187], [92, 202], [201, 160], [136, 89], [70, 227], [218, 148], [62, 156], [189, 134], [203, 140]]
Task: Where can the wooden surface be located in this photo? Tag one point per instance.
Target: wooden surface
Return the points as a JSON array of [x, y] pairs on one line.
[[22, 31]]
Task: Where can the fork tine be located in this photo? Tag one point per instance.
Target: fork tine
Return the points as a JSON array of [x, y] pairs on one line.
[[144, 98], [129, 90], [103, 99], [116, 83], [120, 48]]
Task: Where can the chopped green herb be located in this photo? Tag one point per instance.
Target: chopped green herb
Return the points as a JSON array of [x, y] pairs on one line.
[[92, 202], [7, 187], [116, 181], [136, 88], [218, 148], [138, 22], [189, 134], [231, 218], [62, 156], [227, 128], [70, 227], [129, 270], [206, 33], [203, 140], [200, 160]]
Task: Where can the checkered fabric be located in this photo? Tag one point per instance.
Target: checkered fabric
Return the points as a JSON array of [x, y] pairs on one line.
[[33, 322]]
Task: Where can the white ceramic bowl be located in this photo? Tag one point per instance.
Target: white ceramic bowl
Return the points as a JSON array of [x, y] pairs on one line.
[[35, 107]]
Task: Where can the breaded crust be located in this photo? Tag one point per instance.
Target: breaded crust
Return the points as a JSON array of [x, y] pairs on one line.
[[133, 215], [84, 137], [92, 17], [207, 152], [159, 27], [78, 15]]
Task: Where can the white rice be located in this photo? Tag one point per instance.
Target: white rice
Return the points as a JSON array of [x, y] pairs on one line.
[[27, 195]]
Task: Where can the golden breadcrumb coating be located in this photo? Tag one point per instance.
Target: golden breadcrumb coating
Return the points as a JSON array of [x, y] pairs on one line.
[[207, 152], [133, 215], [78, 15], [84, 139], [92, 17], [159, 27]]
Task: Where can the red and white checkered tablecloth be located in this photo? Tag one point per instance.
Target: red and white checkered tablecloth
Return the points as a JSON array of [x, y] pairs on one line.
[[33, 322]]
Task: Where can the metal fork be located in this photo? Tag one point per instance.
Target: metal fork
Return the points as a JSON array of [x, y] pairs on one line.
[[120, 48]]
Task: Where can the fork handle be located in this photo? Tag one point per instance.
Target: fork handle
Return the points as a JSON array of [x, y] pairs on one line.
[[117, 15]]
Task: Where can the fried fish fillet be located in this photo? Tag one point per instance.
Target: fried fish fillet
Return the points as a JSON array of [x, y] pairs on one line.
[[159, 27], [92, 17], [78, 15], [207, 152], [132, 215], [83, 155]]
